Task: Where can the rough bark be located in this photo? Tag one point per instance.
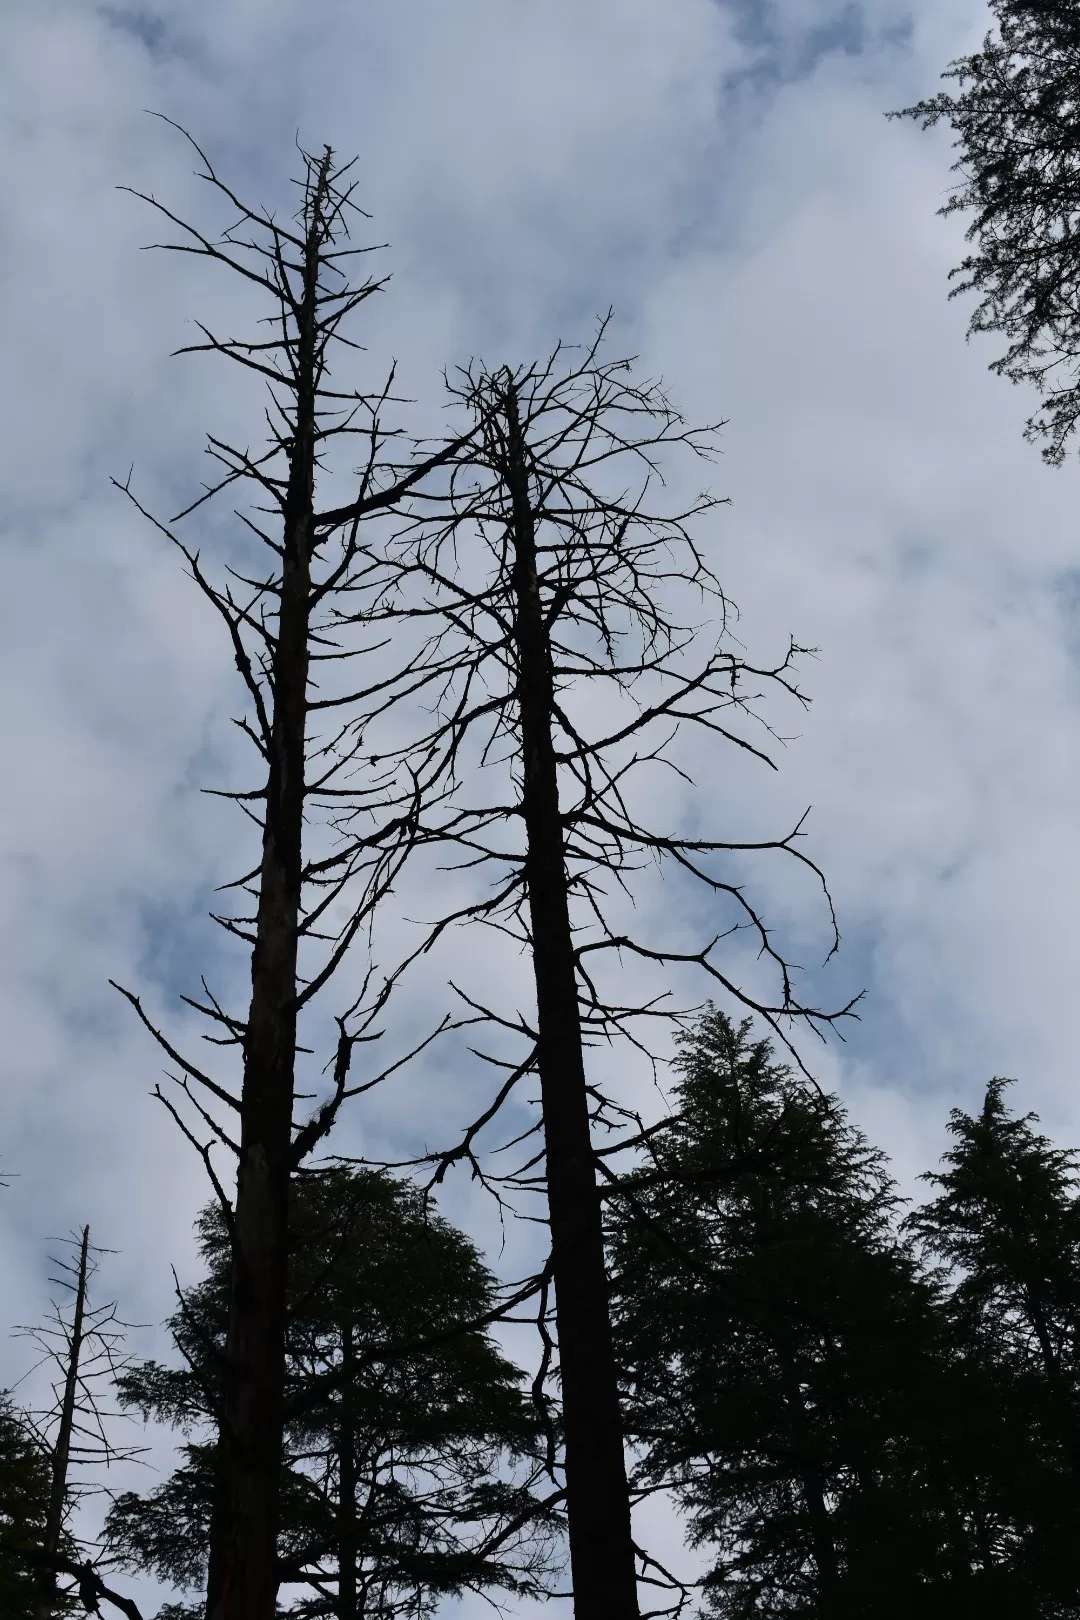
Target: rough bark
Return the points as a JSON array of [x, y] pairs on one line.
[[812, 1481], [1059, 1389], [242, 1582], [821, 1539], [597, 1494], [61, 1457]]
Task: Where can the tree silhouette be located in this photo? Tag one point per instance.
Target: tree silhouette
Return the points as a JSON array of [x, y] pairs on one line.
[[530, 566], [797, 1377], [396, 1488], [543, 582], [73, 1437], [1018, 176], [24, 1507], [1006, 1219], [305, 900]]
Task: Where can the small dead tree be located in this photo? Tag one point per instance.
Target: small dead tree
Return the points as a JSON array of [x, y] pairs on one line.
[[83, 1343], [544, 586], [277, 607], [72, 1338]]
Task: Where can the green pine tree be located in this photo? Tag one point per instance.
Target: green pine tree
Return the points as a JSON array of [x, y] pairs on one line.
[[1006, 1221], [785, 1358], [395, 1490], [24, 1503], [1012, 109]]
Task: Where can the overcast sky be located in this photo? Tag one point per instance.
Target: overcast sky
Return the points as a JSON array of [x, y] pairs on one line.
[[722, 175]]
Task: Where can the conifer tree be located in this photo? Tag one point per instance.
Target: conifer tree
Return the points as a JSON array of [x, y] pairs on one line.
[[1006, 1220], [1007, 1215], [24, 1505], [405, 1473], [780, 1349], [1018, 179]]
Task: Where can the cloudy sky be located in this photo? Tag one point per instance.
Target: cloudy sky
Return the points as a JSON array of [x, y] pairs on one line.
[[723, 175]]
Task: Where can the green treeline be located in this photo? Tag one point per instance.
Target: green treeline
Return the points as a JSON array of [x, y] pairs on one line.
[[864, 1408]]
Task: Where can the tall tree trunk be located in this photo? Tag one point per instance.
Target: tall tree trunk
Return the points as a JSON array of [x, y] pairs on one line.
[[812, 1484], [346, 1551], [597, 1495], [243, 1580], [1060, 1392], [821, 1540], [45, 1605]]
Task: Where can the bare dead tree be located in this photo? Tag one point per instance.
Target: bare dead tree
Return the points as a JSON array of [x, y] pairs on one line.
[[83, 1344], [61, 1450], [61, 1456], [278, 612], [538, 576]]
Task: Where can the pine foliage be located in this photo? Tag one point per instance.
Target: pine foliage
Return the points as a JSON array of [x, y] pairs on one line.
[[400, 1425], [854, 1409]]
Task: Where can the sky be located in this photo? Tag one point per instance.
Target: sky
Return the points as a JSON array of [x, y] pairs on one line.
[[723, 177]]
